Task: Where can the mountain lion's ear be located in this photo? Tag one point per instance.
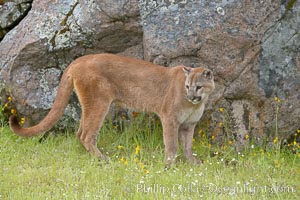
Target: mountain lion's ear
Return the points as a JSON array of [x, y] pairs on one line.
[[187, 70], [208, 74]]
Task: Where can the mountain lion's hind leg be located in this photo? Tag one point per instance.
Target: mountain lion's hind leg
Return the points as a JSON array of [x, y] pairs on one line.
[[93, 116]]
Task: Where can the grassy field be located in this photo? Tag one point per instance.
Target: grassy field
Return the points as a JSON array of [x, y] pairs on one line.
[[58, 167]]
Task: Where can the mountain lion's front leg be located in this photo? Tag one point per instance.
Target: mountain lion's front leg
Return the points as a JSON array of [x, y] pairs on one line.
[[170, 134], [186, 132]]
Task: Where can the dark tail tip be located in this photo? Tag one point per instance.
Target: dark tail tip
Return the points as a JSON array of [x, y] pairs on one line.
[[13, 120], [14, 123]]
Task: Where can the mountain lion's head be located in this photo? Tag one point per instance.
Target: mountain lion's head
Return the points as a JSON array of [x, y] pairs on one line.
[[199, 84]]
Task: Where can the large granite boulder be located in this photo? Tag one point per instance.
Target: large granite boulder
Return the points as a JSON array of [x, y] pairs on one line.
[[54, 33], [252, 47]]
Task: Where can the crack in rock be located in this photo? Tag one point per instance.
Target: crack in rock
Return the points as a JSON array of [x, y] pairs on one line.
[[66, 26]]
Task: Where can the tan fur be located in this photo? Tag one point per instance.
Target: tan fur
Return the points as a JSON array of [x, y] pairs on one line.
[[101, 79]]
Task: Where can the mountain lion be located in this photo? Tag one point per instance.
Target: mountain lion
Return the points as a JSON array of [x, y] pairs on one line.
[[177, 95]]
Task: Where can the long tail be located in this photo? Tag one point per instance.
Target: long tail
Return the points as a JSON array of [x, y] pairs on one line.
[[64, 92]]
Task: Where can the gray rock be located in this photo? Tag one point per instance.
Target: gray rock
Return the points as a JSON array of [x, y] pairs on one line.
[[11, 13], [34, 54]]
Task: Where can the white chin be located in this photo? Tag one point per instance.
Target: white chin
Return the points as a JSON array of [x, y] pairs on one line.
[[194, 102]]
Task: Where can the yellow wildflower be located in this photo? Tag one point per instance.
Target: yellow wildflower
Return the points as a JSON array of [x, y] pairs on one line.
[[146, 171], [221, 110], [137, 150], [22, 120], [200, 132], [9, 99], [142, 166], [120, 147], [122, 159], [246, 136], [298, 131], [220, 124], [295, 143], [13, 111], [230, 142], [275, 140], [213, 137], [125, 162], [6, 105], [277, 99]]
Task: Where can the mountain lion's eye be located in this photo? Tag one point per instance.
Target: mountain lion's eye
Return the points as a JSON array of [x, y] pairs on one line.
[[187, 87], [198, 88]]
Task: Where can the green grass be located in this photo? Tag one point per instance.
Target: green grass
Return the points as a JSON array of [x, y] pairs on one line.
[[60, 168]]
